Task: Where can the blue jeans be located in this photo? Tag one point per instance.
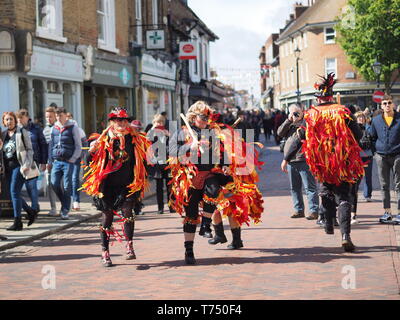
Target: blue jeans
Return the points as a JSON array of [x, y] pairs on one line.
[[299, 175], [62, 170], [16, 183], [367, 184], [76, 183], [31, 188]]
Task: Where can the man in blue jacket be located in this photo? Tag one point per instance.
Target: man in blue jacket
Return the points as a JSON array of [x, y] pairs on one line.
[[385, 133], [64, 149], [40, 152]]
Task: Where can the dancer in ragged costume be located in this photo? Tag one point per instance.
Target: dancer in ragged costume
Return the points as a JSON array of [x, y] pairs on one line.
[[201, 174], [330, 144], [116, 178]]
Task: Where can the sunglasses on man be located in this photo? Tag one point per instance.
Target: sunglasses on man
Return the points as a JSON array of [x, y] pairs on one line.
[[387, 103]]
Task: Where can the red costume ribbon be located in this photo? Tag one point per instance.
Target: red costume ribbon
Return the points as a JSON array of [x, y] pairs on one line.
[[97, 170], [240, 199], [330, 148]]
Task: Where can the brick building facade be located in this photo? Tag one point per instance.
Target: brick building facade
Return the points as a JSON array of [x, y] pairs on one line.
[[90, 55], [311, 30]]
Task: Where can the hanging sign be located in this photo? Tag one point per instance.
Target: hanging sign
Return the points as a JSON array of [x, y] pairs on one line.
[[187, 50], [155, 39]]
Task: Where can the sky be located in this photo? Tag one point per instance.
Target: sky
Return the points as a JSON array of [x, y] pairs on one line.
[[242, 26]]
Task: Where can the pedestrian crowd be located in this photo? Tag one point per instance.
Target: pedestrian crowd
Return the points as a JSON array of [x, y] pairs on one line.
[[267, 120], [122, 159], [28, 150]]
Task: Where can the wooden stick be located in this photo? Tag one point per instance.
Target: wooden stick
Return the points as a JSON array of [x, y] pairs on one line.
[[194, 137], [338, 98], [236, 122]]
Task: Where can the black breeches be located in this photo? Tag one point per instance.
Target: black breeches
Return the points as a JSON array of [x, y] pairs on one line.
[[212, 187], [337, 198]]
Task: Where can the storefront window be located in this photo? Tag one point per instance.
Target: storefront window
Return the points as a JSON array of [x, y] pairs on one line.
[[23, 93], [153, 100], [67, 97], [38, 102], [52, 87], [153, 104]]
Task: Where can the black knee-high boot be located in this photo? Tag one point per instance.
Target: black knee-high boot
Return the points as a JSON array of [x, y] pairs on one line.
[[219, 234], [344, 213], [205, 228], [17, 225], [237, 242], [189, 254]]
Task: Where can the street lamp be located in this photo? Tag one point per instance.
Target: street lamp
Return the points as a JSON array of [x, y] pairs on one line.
[[377, 67], [297, 55]]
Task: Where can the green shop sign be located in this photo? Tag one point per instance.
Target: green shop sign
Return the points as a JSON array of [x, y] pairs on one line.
[[112, 74]]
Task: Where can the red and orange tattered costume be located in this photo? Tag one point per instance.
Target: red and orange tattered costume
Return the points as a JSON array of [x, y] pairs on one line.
[[330, 148], [116, 178], [332, 152], [240, 198], [99, 167]]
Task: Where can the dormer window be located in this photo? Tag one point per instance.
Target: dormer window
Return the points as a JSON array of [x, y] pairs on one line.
[[330, 35]]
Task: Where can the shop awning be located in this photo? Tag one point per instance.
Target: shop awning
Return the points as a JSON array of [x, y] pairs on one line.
[[203, 93], [156, 82]]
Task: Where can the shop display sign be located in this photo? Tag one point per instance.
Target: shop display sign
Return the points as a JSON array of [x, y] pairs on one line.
[[112, 74], [54, 64]]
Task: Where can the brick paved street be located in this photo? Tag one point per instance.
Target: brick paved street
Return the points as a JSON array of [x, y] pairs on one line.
[[282, 258]]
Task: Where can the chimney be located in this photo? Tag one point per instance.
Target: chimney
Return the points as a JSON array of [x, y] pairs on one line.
[[299, 9]]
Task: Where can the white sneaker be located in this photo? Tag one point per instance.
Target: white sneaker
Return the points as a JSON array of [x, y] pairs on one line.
[[64, 215], [354, 220], [52, 213], [75, 206], [368, 199]]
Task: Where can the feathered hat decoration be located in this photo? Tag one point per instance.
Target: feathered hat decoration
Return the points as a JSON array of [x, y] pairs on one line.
[[325, 88], [118, 113]]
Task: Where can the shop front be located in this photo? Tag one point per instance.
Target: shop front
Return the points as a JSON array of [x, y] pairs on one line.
[[158, 89], [111, 85], [359, 95], [55, 78]]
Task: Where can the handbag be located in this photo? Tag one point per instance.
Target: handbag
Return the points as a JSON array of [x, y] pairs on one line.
[[33, 171]]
